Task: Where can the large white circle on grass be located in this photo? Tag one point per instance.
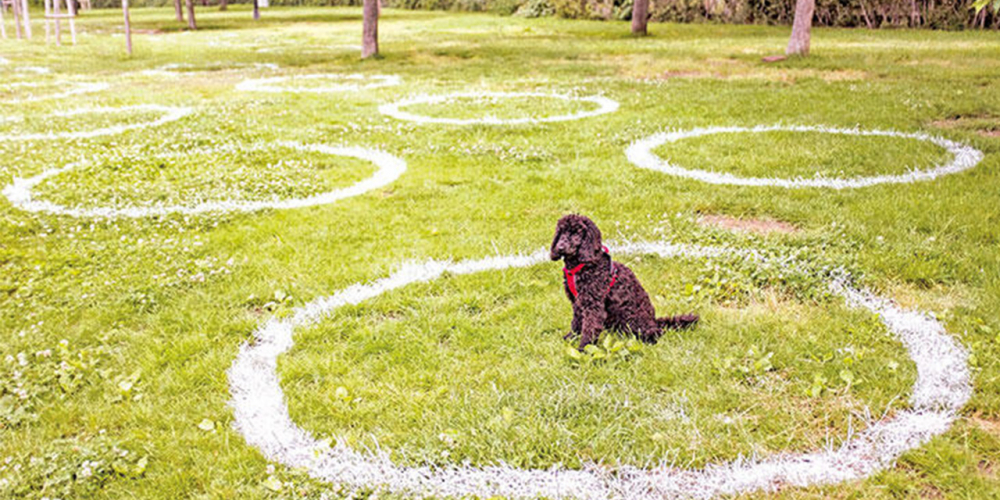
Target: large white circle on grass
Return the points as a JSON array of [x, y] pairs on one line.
[[167, 114], [640, 153], [261, 414], [67, 89], [340, 83], [390, 167], [188, 69], [395, 109]]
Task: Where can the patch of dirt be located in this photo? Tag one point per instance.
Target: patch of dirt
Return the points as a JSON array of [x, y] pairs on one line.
[[984, 125], [723, 62], [687, 74], [986, 468], [939, 298], [930, 491], [777, 75], [841, 75], [771, 59], [987, 425], [757, 226], [148, 32]]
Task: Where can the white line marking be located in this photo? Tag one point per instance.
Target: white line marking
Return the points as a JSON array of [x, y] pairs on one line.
[[75, 89], [640, 153], [389, 169], [354, 83], [188, 69], [604, 105], [169, 114], [261, 414]]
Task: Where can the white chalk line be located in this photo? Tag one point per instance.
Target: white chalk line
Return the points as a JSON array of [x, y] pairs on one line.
[[640, 153], [261, 414], [168, 114], [353, 83], [36, 70], [390, 167], [604, 105], [179, 69], [75, 88]]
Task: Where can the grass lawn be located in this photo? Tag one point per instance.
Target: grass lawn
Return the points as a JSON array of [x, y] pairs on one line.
[[116, 333]]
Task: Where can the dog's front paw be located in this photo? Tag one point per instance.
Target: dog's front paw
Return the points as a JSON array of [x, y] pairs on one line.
[[569, 335]]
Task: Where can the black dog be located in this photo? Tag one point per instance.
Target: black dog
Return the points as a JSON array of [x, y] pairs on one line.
[[605, 294]]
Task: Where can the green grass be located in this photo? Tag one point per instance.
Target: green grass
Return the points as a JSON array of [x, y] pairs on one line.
[[473, 368], [502, 108], [804, 154], [199, 175]]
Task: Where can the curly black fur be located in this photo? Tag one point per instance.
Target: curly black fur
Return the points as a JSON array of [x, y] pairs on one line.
[[625, 307]]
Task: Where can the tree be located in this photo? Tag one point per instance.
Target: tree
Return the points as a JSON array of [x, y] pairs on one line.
[[256, 10], [640, 14], [798, 44], [190, 8], [179, 10], [369, 33], [223, 4]]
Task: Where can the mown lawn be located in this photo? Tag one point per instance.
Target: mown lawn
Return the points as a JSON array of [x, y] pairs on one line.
[[116, 334]]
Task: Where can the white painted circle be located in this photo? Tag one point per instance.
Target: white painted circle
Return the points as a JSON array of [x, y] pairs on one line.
[[168, 114], [37, 70], [640, 153], [71, 89], [389, 169], [604, 105], [186, 69], [349, 83], [261, 414]]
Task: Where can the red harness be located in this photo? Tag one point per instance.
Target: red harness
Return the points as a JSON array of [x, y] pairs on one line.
[[570, 275]]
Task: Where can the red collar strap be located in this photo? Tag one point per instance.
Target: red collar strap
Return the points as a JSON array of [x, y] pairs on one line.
[[570, 275]]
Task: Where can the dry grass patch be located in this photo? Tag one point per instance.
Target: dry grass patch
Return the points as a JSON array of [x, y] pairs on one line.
[[984, 125], [939, 298]]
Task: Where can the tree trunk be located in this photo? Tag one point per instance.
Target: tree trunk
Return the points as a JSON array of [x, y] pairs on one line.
[[190, 8], [256, 10], [223, 4], [179, 10], [128, 28], [369, 35], [640, 13], [798, 44]]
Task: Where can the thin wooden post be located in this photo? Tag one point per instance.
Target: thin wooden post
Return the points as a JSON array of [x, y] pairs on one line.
[[48, 20], [16, 9], [192, 25], [55, 14], [71, 7], [128, 28], [3, 21], [27, 18]]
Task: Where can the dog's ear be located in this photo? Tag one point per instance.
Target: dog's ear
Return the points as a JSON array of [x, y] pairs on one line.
[[560, 227], [590, 248]]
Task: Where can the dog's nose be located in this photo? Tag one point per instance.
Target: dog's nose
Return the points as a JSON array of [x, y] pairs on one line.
[[556, 253]]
